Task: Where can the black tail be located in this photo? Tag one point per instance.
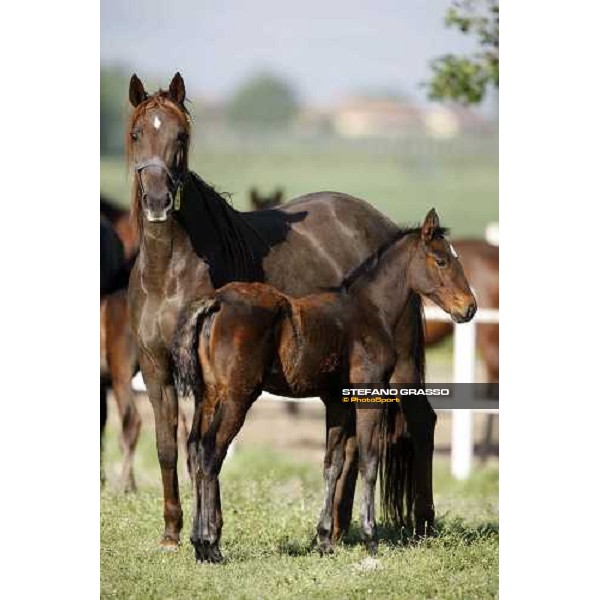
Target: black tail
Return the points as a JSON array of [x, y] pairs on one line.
[[184, 349], [397, 474], [396, 469]]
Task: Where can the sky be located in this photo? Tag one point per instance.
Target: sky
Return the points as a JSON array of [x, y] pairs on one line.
[[326, 49]]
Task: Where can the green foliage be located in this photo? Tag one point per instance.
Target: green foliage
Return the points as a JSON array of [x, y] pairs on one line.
[[113, 110], [466, 79], [263, 102]]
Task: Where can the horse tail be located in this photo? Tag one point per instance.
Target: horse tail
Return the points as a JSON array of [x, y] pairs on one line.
[[397, 472], [396, 469], [184, 350]]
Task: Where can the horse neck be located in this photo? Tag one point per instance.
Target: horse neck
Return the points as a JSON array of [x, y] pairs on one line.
[[160, 244], [386, 289]]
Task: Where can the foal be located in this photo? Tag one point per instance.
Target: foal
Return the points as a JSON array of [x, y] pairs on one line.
[[248, 337]]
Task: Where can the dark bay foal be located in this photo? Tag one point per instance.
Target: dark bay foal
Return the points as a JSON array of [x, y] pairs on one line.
[[248, 337]]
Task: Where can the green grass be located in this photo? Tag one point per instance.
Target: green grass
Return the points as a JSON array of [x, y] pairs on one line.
[[270, 505], [464, 189]]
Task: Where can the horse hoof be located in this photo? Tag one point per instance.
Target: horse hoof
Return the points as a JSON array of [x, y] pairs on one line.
[[325, 548], [168, 544], [372, 547], [208, 553]]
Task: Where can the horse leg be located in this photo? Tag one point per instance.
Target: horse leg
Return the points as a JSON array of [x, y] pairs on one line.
[[338, 429], [183, 433], [368, 424], [220, 422], [103, 418], [163, 398], [131, 424], [344, 489], [420, 421], [122, 358]]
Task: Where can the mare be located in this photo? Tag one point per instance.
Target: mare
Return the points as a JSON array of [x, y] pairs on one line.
[[248, 337], [192, 241]]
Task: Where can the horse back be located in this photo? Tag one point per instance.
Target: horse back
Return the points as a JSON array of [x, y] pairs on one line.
[[329, 234]]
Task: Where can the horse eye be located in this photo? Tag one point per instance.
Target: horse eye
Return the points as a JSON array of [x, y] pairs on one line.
[[182, 138], [441, 262], [134, 136]]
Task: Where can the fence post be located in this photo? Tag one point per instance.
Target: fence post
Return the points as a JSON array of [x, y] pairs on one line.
[[462, 419]]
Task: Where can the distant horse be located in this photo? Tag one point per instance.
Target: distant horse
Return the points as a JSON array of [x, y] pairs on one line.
[[121, 221], [112, 258], [193, 241], [247, 337], [258, 202]]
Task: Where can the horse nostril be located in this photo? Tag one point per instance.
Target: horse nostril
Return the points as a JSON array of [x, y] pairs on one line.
[[145, 197]]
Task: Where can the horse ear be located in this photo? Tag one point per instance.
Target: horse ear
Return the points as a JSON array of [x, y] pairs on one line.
[[177, 89], [278, 196], [137, 93], [430, 224], [254, 195]]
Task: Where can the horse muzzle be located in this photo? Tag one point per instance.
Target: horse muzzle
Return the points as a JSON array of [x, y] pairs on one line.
[[465, 315], [155, 210]]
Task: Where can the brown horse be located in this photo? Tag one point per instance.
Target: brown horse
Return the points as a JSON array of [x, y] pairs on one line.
[[118, 350], [247, 337], [193, 241], [121, 221], [259, 202], [118, 365]]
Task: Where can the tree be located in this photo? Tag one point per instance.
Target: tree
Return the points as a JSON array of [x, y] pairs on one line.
[[264, 101], [466, 79], [113, 109]]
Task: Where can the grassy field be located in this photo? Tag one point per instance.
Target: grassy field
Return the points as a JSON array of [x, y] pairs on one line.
[[271, 503], [464, 188]]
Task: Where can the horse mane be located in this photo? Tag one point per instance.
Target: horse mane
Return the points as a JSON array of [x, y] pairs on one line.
[[220, 234], [160, 99], [369, 265]]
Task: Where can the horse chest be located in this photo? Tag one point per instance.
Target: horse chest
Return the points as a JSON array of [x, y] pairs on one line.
[[156, 308]]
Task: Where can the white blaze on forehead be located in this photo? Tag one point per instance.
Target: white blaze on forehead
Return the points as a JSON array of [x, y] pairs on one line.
[[157, 122], [453, 251]]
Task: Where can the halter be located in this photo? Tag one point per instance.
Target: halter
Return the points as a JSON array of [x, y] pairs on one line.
[[176, 182]]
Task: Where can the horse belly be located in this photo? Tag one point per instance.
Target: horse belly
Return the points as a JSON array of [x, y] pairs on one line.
[[310, 359]]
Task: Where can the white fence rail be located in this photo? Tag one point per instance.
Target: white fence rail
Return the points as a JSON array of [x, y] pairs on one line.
[[464, 365]]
